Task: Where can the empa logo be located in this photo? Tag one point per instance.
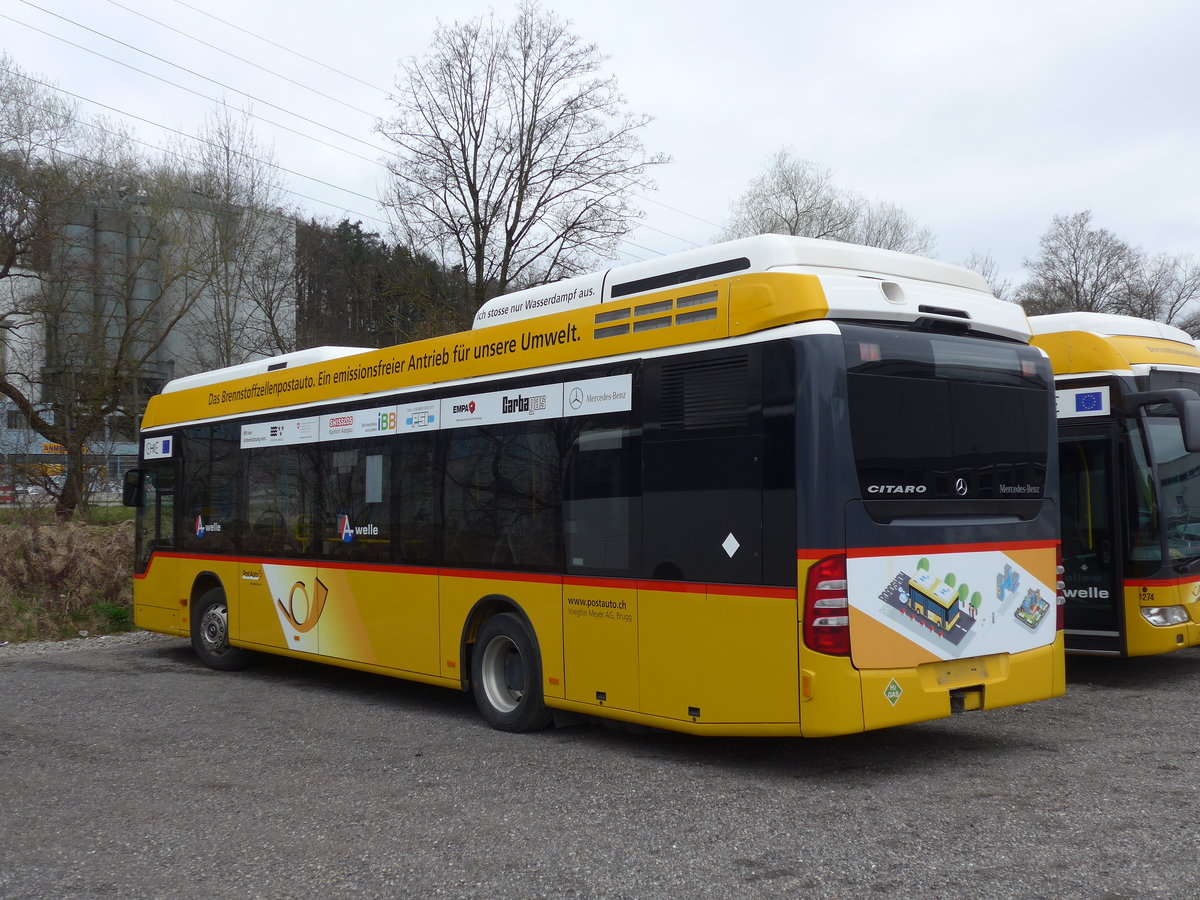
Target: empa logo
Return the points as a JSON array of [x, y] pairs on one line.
[[345, 529]]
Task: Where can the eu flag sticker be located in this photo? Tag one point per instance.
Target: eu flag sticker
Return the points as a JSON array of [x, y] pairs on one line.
[[1077, 402]]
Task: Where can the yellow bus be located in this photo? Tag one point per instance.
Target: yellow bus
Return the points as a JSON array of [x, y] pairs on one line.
[[688, 493], [1130, 472]]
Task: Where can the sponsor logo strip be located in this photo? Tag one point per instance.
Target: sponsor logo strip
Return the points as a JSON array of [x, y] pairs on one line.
[[552, 401]]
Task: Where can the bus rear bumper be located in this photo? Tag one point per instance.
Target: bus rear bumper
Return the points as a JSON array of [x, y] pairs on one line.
[[892, 697]]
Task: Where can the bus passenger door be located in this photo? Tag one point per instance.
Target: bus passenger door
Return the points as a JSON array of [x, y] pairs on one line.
[[602, 526], [1091, 539], [281, 597]]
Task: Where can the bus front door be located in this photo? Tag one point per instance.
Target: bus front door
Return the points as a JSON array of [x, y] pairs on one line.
[[1091, 539]]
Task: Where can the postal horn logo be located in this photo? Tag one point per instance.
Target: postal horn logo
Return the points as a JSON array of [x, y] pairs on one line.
[[302, 612]]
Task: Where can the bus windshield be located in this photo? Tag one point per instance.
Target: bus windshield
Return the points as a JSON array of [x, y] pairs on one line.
[[1178, 475], [1177, 472]]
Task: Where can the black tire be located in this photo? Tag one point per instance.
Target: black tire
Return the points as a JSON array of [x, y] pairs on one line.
[[506, 675], [210, 633]]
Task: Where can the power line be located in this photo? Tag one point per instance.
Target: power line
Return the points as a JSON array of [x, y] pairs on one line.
[[275, 106], [242, 59], [193, 137], [195, 92], [318, 62], [282, 47], [219, 84]]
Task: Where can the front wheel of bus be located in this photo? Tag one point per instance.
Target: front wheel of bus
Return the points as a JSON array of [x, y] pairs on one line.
[[210, 633], [506, 676]]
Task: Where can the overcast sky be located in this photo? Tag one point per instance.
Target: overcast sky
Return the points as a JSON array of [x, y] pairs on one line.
[[981, 119]]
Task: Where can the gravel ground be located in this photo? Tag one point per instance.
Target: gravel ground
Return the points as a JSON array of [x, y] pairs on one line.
[[129, 770], [17, 649]]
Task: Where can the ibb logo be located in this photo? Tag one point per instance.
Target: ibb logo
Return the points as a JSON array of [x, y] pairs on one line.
[[896, 489]]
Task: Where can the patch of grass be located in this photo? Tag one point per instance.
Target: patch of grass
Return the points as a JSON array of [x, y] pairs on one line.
[[60, 579]]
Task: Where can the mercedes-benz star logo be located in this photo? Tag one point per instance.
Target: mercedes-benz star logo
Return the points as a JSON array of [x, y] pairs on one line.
[[960, 486]]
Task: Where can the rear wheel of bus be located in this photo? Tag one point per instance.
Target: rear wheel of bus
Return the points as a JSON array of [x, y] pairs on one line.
[[210, 633], [506, 675]]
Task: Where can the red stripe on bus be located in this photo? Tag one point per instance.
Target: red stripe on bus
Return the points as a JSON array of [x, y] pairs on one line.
[[682, 587], [1160, 582], [732, 590]]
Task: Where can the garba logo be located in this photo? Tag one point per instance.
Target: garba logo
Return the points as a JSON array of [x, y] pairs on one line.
[[896, 489], [522, 404]]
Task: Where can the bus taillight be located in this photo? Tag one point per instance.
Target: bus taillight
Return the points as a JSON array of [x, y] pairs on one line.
[[827, 608], [1060, 590]]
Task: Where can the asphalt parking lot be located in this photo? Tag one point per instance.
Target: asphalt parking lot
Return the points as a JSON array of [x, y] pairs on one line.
[[129, 770]]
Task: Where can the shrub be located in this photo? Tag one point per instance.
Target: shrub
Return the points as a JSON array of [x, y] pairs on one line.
[[57, 580]]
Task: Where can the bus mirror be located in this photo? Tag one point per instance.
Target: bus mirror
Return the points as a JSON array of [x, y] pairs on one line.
[[1186, 404], [1189, 421], [131, 492]]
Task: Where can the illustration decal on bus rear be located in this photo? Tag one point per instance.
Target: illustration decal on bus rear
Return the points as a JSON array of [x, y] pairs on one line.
[[950, 605], [939, 603], [1032, 609]]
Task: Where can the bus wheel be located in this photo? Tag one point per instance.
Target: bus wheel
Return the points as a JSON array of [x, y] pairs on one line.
[[506, 676], [210, 633]]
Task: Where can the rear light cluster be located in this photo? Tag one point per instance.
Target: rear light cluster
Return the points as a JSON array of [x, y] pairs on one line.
[[1060, 589], [827, 608]]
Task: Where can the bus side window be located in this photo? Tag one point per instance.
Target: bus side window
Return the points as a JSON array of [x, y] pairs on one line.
[[281, 486], [418, 513], [503, 496], [356, 518]]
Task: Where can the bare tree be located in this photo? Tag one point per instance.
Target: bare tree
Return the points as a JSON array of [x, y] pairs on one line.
[[985, 265], [793, 196], [97, 271], [797, 196], [886, 225], [515, 160], [42, 145], [1165, 288], [238, 200], [120, 274], [1080, 268]]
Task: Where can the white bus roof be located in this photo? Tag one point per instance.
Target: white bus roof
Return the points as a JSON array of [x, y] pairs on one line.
[[764, 253], [1107, 325], [262, 366]]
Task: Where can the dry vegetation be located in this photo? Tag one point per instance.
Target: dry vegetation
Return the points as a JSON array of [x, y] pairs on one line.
[[59, 580]]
